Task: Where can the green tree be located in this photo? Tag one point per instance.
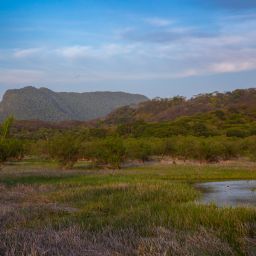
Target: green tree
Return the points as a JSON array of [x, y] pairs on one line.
[[138, 150], [9, 148], [65, 149], [5, 128], [110, 151], [114, 152]]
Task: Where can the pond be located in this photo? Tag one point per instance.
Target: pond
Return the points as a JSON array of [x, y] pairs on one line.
[[229, 193]]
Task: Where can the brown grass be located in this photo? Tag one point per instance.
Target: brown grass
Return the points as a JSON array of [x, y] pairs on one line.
[[74, 241]]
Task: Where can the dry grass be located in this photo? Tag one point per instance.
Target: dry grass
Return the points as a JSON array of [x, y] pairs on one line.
[[74, 241]]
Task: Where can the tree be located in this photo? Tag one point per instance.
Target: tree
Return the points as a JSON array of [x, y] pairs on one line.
[[169, 147], [65, 149], [112, 151], [200, 129], [9, 148], [5, 128], [138, 150]]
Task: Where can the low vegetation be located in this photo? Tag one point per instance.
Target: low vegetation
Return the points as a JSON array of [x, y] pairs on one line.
[[136, 211]]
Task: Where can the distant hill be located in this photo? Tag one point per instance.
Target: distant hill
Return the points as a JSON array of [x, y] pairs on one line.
[[43, 104], [159, 110]]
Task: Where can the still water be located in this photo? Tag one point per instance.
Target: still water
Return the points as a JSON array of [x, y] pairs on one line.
[[229, 193]]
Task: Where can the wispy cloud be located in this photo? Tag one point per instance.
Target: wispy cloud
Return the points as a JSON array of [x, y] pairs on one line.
[[158, 22], [24, 53], [165, 35], [102, 51], [74, 52], [20, 76], [230, 67]]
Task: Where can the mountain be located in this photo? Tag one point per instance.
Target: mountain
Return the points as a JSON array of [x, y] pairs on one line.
[[30, 103], [159, 110]]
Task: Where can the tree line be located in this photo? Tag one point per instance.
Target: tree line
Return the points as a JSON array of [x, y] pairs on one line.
[[113, 147], [112, 152]]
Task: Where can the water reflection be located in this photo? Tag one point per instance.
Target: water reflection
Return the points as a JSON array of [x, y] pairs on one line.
[[229, 193]]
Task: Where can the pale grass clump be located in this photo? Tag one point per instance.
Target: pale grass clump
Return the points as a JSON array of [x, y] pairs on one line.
[[75, 241]]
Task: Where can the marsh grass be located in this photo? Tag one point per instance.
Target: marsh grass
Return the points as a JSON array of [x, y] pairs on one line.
[[139, 211]]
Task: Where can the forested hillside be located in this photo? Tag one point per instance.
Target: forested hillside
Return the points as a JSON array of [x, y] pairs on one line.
[[43, 104], [156, 110]]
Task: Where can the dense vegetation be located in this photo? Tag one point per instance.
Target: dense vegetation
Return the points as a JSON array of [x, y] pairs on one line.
[[108, 148], [157, 110], [226, 129]]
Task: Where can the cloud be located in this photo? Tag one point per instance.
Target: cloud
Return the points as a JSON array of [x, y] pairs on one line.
[[230, 67], [103, 51], [20, 76], [24, 53], [158, 22], [166, 35], [228, 4], [150, 53], [74, 52]]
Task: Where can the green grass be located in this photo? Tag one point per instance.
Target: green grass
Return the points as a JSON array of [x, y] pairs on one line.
[[191, 174], [142, 199]]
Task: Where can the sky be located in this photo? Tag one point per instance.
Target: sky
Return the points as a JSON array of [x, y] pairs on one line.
[[153, 47]]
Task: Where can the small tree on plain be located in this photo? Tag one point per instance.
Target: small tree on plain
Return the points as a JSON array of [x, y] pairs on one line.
[[9, 148], [64, 149]]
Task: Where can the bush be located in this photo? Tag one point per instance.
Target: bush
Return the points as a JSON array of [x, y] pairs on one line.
[[110, 151], [248, 146], [188, 147], [138, 150], [3, 152], [211, 151], [65, 149], [231, 147], [11, 149], [237, 132]]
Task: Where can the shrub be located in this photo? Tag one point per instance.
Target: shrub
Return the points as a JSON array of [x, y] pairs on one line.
[[3, 152], [138, 150], [211, 151], [249, 147], [11, 148], [236, 132], [110, 151], [98, 132], [65, 149], [231, 148], [188, 147]]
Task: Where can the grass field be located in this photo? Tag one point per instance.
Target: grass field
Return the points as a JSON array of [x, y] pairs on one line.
[[148, 210]]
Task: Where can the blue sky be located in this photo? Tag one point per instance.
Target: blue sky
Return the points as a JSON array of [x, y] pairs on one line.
[[154, 47]]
